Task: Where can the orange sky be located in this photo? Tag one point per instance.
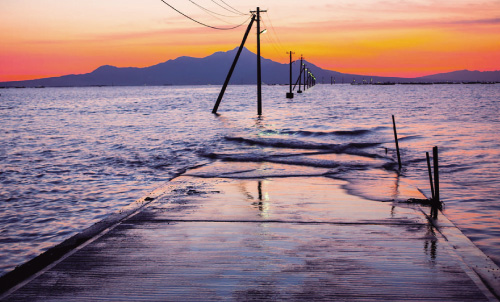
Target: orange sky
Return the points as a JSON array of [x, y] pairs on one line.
[[376, 37]]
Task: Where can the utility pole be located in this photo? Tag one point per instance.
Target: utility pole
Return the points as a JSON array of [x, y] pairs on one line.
[[259, 72], [305, 77], [289, 95], [230, 73], [300, 73]]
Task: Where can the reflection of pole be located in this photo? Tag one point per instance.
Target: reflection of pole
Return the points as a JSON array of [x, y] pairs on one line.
[[290, 94], [230, 73], [259, 76], [259, 188]]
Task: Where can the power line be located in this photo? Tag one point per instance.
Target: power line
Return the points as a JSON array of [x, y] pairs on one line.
[[212, 12], [201, 23], [274, 44], [232, 10], [274, 31]]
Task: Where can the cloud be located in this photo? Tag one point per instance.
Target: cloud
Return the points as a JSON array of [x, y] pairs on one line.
[[490, 21], [337, 26]]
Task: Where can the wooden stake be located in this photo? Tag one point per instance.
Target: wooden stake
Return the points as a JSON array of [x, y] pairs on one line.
[[436, 203], [430, 174], [396, 139], [436, 174]]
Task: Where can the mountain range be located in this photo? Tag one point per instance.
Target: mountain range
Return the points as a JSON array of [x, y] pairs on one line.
[[213, 70]]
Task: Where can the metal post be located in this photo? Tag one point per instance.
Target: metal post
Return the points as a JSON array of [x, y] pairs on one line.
[[230, 73], [259, 75], [396, 139]]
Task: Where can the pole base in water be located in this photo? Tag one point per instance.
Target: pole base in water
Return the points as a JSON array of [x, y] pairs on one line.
[[299, 91], [289, 95]]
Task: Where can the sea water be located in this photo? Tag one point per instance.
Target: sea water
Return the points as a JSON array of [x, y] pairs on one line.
[[71, 156]]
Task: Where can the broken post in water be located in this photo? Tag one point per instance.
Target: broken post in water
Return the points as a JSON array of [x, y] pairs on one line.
[[396, 139], [436, 173], [289, 95], [430, 174], [436, 203]]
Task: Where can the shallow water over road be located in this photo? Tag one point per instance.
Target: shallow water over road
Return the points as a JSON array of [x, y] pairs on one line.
[[71, 156]]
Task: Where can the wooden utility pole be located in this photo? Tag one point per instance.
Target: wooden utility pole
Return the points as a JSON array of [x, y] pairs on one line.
[[255, 17], [289, 95], [259, 72], [230, 73], [300, 73], [305, 78]]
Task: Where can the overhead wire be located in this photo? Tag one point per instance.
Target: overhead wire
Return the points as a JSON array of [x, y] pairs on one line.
[[237, 11], [274, 30], [275, 44], [232, 10], [204, 24], [273, 37], [214, 13]]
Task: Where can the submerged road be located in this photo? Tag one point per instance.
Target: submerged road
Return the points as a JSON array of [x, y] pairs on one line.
[[252, 232]]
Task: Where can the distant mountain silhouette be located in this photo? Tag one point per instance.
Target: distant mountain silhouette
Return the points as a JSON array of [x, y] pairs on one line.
[[465, 76], [213, 70]]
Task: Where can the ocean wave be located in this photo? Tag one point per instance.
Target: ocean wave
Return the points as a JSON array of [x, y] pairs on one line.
[[306, 133], [356, 163], [298, 144]]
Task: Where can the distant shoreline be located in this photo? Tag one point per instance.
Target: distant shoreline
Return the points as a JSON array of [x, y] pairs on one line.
[[171, 85]]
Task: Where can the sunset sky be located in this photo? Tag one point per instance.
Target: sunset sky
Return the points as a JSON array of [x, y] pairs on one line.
[[377, 37]]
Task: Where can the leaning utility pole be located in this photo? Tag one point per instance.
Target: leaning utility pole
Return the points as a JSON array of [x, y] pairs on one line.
[[255, 17], [230, 73]]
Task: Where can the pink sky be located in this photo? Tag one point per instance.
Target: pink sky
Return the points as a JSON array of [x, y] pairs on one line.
[[387, 37]]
